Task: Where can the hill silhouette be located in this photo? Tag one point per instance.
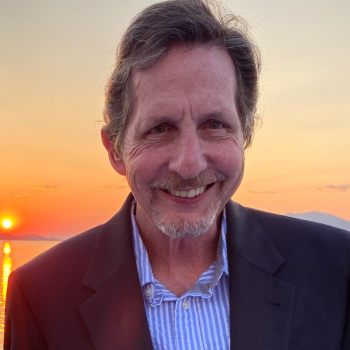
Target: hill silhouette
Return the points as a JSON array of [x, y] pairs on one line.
[[9, 237], [322, 218]]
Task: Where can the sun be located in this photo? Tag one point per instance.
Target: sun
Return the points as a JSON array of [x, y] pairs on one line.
[[6, 223]]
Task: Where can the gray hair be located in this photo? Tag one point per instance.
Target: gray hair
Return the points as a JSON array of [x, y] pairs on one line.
[[159, 27]]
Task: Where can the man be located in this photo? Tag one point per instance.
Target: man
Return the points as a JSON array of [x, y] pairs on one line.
[[181, 266]]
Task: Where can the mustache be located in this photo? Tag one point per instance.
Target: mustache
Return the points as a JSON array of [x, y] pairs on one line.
[[175, 181]]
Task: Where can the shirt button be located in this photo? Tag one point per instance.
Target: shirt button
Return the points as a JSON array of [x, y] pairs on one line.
[[186, 304], [148, 291]]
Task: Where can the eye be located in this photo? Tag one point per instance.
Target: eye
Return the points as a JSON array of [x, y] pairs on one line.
[[215, 125], [159, 129]]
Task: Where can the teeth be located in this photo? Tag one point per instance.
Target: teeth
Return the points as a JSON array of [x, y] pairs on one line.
[[188, 194], [175, 193], [191, 193], [183, 194]]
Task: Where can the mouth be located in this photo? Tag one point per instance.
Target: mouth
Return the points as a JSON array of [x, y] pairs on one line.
[[194, 192]]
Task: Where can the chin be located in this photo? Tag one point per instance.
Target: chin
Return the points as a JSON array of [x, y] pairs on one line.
[[182, 227]]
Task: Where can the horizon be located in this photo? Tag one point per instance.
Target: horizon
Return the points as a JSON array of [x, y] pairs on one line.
[[315, 216]]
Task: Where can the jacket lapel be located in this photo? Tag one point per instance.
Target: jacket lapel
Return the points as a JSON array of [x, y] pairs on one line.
[[260, 304], [115, 314]]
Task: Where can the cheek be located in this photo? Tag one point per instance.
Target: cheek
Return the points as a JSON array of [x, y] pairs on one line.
[[143, 165], [228, 157], [136, 172], [133, 162], [234, 168]]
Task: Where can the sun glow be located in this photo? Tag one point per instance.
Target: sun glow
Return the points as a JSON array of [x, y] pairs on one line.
[[6, 268], [6, 223], [7, 248]]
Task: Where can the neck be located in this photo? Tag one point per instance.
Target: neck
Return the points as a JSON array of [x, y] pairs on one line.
[[178, 263]]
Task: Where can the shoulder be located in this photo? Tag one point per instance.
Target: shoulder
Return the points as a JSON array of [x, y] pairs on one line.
[[71, 255], [284, 224], [275, 225], [293, 236]]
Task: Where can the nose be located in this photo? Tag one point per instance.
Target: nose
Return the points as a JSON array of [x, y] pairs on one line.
[[188, 158]]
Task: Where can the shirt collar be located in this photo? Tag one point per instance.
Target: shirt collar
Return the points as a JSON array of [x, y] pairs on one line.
[[144, 266]]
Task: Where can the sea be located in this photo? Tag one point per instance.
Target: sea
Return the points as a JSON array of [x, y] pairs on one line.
[[13, 255]]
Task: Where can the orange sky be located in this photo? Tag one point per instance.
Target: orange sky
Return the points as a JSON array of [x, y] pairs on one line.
[[55, 59]]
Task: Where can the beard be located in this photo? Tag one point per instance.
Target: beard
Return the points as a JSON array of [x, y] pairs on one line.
[[177, 228]]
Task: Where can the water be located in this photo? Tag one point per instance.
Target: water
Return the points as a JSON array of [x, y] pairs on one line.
[[13, 255]]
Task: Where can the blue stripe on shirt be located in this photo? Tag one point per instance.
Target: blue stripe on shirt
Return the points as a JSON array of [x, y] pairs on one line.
[[199, 319]]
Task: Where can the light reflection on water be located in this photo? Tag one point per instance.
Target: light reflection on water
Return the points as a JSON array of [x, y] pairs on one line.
[[6, 270], [13, 255]]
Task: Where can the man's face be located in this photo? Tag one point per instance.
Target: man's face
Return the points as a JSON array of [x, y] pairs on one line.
[[183, 148]]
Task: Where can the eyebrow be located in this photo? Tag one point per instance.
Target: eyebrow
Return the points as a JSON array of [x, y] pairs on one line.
[[154, 119], [212, 115], [227, 116]]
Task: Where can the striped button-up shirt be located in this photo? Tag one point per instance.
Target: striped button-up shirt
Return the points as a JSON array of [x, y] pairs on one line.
[[199, 319]]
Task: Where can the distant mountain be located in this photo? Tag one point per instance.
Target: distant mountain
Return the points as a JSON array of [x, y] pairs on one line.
[[9, 237], [323, 218]]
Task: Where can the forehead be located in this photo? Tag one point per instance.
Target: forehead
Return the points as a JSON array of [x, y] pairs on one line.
[[202, 77]]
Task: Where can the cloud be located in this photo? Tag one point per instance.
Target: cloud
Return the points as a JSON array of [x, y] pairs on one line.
[[283, 190], [120, 187], [106, 190], [262, 192], [335, 188], [49, 190], [112, 188], [25, 195], [44, 187]]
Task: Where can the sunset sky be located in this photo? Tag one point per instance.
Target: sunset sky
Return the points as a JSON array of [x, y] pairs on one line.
[[56, 56]]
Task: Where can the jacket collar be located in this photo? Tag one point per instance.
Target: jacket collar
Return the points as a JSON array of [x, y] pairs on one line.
[[113, 250], [247, 239]]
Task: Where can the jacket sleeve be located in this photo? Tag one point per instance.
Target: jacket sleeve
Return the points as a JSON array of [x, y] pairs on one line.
[[21, 328]]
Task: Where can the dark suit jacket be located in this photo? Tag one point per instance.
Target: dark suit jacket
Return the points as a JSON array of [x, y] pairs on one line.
[[289, 288]]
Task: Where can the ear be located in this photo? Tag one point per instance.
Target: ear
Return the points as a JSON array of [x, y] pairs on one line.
[[115, 159]]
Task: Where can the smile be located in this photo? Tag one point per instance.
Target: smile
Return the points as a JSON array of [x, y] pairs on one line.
[[190, 193]]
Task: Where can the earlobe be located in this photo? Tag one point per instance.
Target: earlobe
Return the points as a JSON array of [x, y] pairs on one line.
[[115, 159]]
